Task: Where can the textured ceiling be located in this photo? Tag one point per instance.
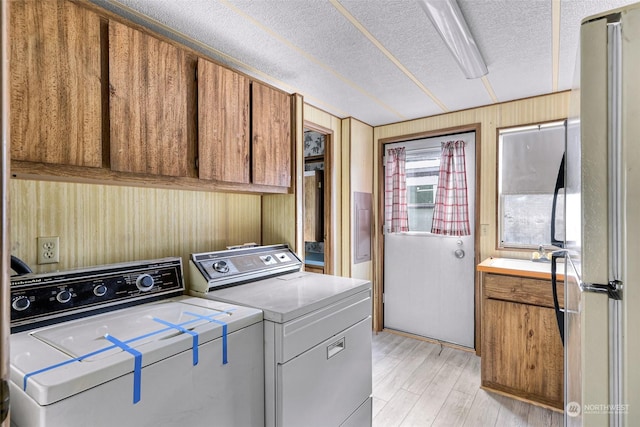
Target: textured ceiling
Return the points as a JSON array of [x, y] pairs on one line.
[[380, 61]]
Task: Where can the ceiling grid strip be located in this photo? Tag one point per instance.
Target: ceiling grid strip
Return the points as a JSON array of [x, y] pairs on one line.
[[388, 54], [489, 88], [310, 57]]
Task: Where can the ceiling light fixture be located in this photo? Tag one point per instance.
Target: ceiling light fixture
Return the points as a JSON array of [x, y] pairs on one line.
[[448, 20]]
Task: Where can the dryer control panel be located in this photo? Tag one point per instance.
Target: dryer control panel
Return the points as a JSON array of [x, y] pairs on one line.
[[47, 298], [216, 270]]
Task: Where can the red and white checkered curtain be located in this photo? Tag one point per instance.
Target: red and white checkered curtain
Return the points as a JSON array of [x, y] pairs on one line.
[[451, 213], [395, 191]]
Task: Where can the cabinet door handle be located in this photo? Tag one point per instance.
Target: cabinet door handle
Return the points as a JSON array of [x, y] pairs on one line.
[[335, 348]]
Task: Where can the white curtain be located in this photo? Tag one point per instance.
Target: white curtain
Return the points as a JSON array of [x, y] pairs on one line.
[[395, 191], [451, 213]]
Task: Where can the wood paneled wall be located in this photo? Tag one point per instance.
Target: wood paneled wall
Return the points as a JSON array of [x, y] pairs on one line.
[[521, 112], [102, 224], [358, 148], [490, 118]]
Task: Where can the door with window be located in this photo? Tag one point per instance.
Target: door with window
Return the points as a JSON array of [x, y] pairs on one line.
[[429, 266]]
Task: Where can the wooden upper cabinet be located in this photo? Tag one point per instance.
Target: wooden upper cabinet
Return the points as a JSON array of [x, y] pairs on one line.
[[148, 104], [55, 83], [223, 124], [271, 136]]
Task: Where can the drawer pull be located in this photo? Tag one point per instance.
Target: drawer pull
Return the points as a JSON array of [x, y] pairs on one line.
[[335, 348]]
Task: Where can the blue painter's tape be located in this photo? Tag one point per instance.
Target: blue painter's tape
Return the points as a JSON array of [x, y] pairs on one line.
[[224, 332], [208, 318], [137, 365], [194, 346], [224, 340], [66, 362]]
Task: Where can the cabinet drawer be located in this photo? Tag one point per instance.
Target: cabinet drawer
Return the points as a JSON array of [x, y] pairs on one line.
[[521, 289]]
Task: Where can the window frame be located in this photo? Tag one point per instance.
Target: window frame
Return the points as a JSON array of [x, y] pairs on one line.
[[500, 245]]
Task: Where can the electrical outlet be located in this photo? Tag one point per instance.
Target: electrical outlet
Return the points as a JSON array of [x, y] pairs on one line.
[[48, 250]]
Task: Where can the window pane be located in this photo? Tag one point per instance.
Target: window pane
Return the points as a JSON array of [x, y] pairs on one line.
[[529, 161], [527, 219], [420, 218]]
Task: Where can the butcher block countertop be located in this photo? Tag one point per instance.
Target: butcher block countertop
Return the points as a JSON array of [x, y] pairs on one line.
[[520, 267]]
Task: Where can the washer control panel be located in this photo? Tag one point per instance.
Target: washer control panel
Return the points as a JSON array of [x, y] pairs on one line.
[[38, 299]]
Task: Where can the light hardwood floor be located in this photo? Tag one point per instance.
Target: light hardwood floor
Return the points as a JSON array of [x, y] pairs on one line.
[[418, 383]]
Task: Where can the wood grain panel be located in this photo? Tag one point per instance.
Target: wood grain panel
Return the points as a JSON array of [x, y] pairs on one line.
[[55, 83], [313, 269], [223, 123], [279, 219], [521, 351], [271, 136], [148, 103], [79, 174], [101, 224], [521, 289]]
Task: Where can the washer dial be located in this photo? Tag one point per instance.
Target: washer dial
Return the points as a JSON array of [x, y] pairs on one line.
[[145, 282], [21, 303]]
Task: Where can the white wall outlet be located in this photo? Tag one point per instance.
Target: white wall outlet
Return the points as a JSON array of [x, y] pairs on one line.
[[48, 250]]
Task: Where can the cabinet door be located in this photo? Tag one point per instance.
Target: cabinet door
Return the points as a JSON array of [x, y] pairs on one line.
[[271, 133], [522, 352], [147, 104], [55, 78], [223, 124]]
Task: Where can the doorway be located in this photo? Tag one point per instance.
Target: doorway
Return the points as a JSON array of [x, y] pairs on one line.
[[317, 199], [429, 278]]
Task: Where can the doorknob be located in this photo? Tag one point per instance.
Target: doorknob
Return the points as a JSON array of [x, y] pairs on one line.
[[459, 253]]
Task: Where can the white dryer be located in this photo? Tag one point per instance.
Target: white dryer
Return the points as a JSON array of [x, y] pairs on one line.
[[317, 333], [113, 345]]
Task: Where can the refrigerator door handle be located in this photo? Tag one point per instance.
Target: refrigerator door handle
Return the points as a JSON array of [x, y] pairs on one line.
[[613, 288], [559, 185], [554, 288]]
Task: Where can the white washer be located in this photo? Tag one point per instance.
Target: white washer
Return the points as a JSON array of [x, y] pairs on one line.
[[176, 361], [317, 333]]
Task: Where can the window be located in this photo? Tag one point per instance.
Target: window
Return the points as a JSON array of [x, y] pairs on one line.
[[421, 170], [422, 181], [529, 160]]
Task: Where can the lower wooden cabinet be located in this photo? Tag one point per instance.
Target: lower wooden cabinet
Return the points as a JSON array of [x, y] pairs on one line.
[[313, 269], [522, 353]]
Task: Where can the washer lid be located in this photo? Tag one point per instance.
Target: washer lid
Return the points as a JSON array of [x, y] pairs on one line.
[[62, 360], [86, 340]]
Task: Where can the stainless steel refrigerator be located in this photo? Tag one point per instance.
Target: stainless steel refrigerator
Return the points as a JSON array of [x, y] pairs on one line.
[[602, 199]]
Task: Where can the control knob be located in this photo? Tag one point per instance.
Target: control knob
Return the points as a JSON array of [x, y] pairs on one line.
[[144, 282], [63, 296], [21, 303], [100, 290], [221, 267]]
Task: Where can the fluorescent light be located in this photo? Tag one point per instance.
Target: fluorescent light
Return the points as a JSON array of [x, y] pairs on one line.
[[448, 20]]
